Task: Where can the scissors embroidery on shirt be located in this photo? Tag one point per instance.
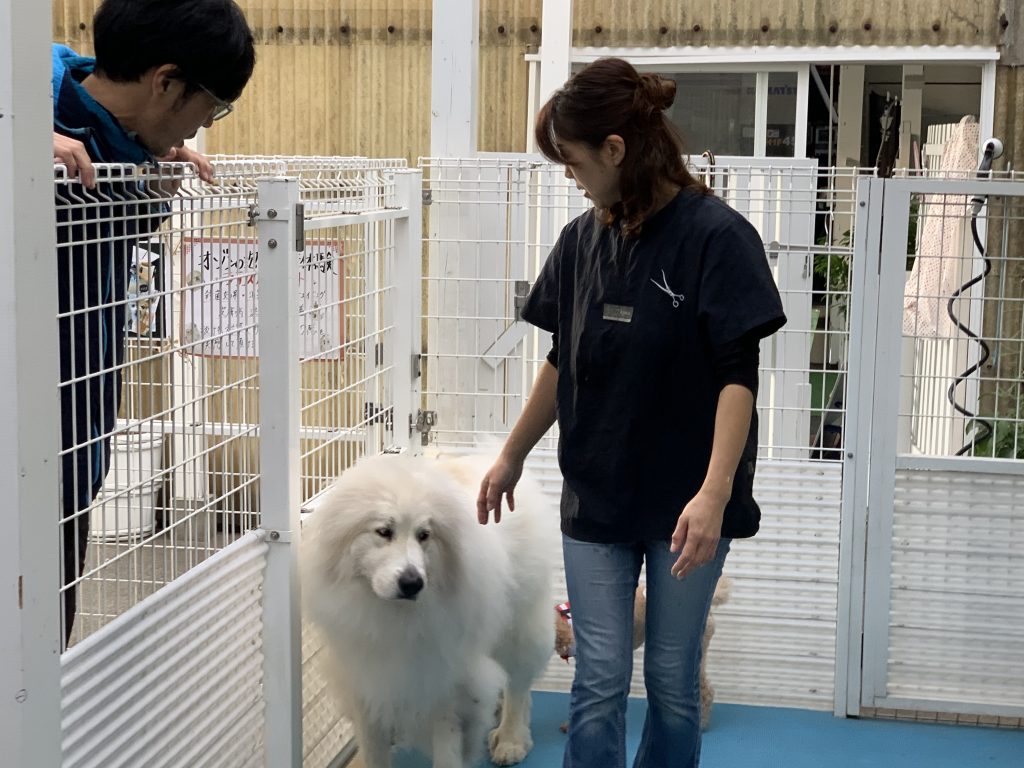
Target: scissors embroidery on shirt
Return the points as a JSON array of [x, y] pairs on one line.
[[665, 288]]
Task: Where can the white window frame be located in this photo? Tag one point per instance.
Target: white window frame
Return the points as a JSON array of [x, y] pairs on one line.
[[764, 60]]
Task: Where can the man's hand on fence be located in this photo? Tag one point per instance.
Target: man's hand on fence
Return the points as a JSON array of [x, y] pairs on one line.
[[185, 155], [71, 154]]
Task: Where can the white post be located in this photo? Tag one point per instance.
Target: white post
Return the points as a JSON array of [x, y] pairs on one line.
[[29, 420], [853, 544], [761, 115], [455, 66], [851, 115], [555, 46], [987, 108], [408, 276], [280, 414], [532, 103], [910, 113], [803, 85], [848, 139]]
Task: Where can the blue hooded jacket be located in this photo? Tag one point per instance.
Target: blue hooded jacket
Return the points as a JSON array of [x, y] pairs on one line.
[[80, 116], [97, 231]]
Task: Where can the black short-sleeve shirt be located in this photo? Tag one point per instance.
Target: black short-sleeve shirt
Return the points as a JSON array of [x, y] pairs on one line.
[[637, 321]]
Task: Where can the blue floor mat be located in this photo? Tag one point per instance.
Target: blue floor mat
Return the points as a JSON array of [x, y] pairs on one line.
[[770, 737]]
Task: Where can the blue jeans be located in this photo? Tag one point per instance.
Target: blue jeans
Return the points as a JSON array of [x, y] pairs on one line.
[[602, 581]]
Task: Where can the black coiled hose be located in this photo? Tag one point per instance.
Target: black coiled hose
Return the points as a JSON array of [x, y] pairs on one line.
[[982, 428]]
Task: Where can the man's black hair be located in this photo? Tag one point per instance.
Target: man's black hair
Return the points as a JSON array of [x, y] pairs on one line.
[[209, 41]]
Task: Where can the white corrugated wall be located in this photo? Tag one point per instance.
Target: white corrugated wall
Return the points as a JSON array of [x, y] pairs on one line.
[[176, 680]]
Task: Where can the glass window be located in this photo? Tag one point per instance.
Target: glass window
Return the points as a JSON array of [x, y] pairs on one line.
[[715, 110], [781, 126]]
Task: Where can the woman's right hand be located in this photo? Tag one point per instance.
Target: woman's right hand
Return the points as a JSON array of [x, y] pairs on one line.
[[500, 479]]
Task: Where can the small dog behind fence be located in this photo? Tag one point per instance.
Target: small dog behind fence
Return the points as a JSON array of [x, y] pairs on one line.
[[565, 643]]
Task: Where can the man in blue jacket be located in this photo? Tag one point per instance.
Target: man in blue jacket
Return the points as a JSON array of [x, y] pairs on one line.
[[163, 69]]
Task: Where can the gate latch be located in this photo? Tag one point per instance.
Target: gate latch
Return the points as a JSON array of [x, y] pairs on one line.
[[425, 421]]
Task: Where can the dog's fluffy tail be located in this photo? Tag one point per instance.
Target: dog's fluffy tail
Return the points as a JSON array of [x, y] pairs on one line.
[[722, 591]]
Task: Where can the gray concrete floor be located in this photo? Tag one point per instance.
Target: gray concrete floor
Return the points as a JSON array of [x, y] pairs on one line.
[[119, 574]]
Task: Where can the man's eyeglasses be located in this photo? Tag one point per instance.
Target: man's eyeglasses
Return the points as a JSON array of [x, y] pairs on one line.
[[222, 108]]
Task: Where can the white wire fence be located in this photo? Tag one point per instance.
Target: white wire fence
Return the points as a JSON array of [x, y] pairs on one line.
[[156, 319], [160, 331], [162, 310], [160, 349], [492, 222], [963, 324]]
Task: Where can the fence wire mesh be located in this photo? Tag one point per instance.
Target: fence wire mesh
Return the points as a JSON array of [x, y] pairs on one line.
[[492, 222], [158, 314], [963, 324]]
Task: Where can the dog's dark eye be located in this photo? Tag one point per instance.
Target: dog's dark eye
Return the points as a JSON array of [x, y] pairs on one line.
[[422, 536], [385, 533]]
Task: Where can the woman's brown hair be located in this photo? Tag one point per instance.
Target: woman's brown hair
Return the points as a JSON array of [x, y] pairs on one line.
[[610, 97]]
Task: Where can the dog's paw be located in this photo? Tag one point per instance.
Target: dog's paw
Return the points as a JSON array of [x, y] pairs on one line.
[[509, 750]]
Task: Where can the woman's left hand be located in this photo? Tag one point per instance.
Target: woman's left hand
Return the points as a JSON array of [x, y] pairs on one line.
[[697, 533]]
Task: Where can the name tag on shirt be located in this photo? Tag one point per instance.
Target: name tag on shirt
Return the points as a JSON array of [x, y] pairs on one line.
[[618, 313]]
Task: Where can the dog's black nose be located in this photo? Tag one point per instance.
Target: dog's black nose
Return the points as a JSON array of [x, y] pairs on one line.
[[409, 584]]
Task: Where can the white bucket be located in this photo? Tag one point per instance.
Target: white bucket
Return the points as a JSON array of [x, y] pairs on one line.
[[125, 517], [125, 509]]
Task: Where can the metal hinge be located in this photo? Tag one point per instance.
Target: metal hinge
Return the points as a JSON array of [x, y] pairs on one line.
[[522, 290], [254, 213], [417, 365], [300, 228], [425, 421], [279, 537], [427, 196]]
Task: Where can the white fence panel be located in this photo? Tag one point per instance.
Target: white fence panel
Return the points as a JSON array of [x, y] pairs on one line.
[[957, 590], [940, 535], [177, 680], [775, 638]]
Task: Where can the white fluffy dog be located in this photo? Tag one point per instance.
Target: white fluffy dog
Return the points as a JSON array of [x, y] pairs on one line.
[[426, 612]]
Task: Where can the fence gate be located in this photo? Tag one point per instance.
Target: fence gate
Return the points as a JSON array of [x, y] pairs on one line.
[[935, 487], [491, 222]]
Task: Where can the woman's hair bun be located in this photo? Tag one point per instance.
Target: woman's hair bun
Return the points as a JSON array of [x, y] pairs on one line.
[[659, 92]]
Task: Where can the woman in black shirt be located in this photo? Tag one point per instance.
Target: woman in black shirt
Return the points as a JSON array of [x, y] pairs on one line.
[[656, 299]]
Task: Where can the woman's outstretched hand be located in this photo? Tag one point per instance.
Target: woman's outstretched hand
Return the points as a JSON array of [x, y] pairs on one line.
[[500, 480]]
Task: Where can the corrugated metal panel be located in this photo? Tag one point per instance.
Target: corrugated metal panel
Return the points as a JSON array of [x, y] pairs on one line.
[[775, 638], [787, 22], [332, 79], [508, 30], [176, 680], [957, 589]]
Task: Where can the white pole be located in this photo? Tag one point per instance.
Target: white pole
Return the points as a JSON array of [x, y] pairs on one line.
[[761, 115], [532, 103], [29, 420], [280, 502], [408, 276], [987, 108], [851, 116], [555, 46], [803, 84], [910, 113], [454, 78]]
